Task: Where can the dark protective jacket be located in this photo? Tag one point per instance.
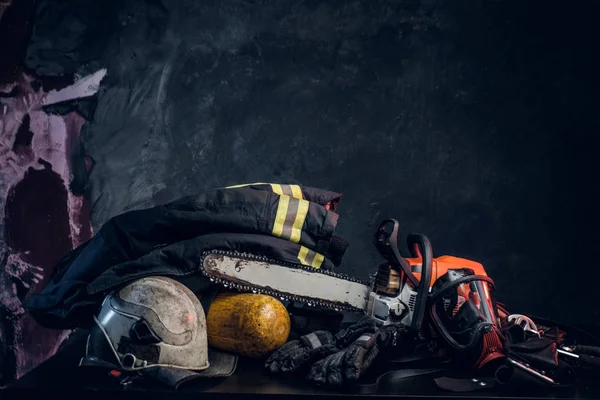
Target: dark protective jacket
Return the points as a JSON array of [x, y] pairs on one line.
[[284, 222]]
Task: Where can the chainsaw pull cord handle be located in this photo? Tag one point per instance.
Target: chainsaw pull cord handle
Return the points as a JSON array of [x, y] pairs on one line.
[[387, 244], [420, 247]]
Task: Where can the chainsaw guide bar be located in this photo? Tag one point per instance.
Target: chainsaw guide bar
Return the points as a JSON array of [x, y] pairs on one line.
[[286, 281]]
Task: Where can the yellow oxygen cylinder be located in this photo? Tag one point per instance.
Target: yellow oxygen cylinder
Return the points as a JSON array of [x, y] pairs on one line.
[[251, 325]]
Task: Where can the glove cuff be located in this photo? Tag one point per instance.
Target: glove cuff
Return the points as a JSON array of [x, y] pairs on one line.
[[365, 326], [365, 337], [316, 339]]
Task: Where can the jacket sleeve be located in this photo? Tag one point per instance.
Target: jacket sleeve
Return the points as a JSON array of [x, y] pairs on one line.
[[133, 234], [79, 300], [298, 214]]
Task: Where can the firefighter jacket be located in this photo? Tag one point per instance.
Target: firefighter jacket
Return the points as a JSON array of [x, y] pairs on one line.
[[283, 222]]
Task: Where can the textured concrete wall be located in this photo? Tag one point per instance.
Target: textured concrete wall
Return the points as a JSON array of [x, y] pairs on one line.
[[464, 120]]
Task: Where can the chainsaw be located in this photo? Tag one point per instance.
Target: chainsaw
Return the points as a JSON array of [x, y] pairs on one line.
[[396, 293]]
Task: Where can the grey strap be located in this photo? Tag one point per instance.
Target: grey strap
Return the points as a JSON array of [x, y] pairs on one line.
[[313, 339]]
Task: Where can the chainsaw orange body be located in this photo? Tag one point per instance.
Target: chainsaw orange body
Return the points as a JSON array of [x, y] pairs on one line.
[[442, 264]]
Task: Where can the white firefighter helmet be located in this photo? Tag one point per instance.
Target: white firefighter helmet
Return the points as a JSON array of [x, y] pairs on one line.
[[152, 322]]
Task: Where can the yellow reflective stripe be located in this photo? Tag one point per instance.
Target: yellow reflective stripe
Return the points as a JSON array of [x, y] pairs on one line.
[[302, 255], [292, 210], [296, 191], [282, 208], [277, 188], [299, 221], [310, 258], [318, 260], [289, 218], [245, 184]]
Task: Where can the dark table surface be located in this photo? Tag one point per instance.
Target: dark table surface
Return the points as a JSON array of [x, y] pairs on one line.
[[61, 378]]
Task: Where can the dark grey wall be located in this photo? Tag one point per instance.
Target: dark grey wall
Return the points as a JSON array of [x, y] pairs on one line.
[[468, 121]]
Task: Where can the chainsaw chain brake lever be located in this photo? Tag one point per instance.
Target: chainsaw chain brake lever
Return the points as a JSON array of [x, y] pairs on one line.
[[386, 242]]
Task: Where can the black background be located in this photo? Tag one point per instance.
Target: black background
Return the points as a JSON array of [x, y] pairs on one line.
[[469, 121]]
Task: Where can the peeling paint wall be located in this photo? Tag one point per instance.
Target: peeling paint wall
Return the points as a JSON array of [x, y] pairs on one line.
[[41, 218]]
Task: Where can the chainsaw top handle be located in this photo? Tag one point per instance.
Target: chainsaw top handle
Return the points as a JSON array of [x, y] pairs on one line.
[[419, 243]]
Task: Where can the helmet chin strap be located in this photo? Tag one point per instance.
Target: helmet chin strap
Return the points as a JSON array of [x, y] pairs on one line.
[[131, 368]]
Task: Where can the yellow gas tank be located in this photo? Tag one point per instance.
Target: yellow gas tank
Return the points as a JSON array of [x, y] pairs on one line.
[[251, 325]]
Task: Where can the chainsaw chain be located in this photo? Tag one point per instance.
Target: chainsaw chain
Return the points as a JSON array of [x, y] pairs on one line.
[[311, 302]]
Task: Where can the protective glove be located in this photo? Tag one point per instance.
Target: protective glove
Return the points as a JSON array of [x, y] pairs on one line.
[[350, 363], [297, 353], [346, 337]]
